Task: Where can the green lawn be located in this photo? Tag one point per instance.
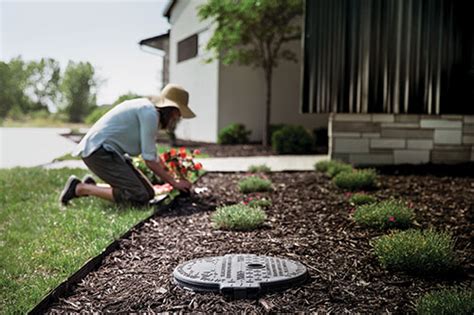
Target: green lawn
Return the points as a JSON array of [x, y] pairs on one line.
[[40, 244]]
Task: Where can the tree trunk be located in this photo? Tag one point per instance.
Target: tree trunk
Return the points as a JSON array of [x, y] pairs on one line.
[[266, 120]]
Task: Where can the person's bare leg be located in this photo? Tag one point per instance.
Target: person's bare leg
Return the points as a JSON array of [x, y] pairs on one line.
[[93, 190]]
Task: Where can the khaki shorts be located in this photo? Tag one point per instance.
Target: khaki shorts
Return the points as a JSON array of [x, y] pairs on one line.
[[129, 185]]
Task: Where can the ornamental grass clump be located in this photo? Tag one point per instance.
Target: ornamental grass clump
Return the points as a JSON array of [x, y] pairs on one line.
[[258, 203], [238, 217], [356, 179], [254, 184], [337, 167], [384, 215], [358, 199], [456, 301], [262, 168], [418, 252]]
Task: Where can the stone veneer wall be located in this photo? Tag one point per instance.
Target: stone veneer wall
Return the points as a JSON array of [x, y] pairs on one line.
[[371, 139]]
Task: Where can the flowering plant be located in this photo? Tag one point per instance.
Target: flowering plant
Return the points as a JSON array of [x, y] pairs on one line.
[[181, 163]]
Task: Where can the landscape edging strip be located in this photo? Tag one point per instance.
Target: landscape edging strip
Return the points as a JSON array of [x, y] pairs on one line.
[[91, 265]]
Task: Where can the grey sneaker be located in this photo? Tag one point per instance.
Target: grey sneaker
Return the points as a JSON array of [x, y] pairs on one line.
[[69, 191], [88, 179]]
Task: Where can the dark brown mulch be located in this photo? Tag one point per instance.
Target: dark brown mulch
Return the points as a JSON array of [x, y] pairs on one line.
[[309, 221]]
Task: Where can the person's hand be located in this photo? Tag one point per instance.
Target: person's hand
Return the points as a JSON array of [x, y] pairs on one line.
[[183, 185]]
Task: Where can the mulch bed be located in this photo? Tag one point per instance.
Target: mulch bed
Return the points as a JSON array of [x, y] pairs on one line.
[[309, 222]]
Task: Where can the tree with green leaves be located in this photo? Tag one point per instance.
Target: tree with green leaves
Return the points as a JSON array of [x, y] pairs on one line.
[[253, 33], [43, 84], [14, 80], [78, 88]]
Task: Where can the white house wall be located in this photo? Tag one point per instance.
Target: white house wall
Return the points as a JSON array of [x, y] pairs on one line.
[[200, 79], [242, 97]]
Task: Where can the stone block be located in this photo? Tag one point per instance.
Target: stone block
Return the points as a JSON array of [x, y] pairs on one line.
[[411, 156], [383, 118], [339, 157], [387, 143], [413, 125], [346, 126], [441, 124], [469, 119], [444, 136], [452, 117], [419, 144], [404, 118], [468, 128], [345, 145], [370, 159], [468, 139], [351, 117], [337, 134], [407, 133], [438, 156], [370, 135], [447, 147]]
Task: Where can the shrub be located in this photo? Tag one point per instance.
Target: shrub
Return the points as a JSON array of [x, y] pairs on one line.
[[274, 128], [234, 134], [455, 301], [336, 167], [292, 139], [259, 203], [419, 252], [262, 168], [322, 166], [356, 180], [238, 217], [361, 199], [385, 214], [254, 184]]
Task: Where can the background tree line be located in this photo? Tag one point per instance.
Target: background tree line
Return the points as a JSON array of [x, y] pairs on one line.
[[40, 88]]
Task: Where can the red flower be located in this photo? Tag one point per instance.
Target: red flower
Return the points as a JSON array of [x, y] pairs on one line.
[[182, 155], [165, 156], [245, 203], [197, 166], [184, 170], [410, 204], [173, 152], [197, 152], [182, 150], [172, 164], [391, 219]]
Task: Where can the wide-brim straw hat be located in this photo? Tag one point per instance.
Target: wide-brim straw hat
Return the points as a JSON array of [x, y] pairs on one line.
[[174, 95]]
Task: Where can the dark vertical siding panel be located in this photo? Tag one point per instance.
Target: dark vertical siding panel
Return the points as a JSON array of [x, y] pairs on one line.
[[401, 56]]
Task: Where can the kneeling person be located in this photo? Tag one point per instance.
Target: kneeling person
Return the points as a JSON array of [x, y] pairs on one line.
[[129, 129]]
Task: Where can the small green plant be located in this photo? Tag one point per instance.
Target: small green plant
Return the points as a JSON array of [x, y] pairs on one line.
[[262, 168], [455, 301], [254, 184], [359, 199], [335, 167], [356, 180], [238, 217], [259, 203], [292, 140], [234, 134], [322, 166], [419, 252], [384, 215]]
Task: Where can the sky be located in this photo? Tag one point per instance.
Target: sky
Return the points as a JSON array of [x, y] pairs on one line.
[[105, 33]]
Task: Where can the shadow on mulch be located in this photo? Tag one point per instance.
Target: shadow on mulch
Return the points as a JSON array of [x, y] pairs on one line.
[[309, 221]]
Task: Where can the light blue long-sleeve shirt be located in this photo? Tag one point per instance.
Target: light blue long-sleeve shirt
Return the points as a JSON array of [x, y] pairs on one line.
[[130, 127]]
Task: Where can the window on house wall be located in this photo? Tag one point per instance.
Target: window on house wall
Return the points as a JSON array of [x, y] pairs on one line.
[[188, 48]]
